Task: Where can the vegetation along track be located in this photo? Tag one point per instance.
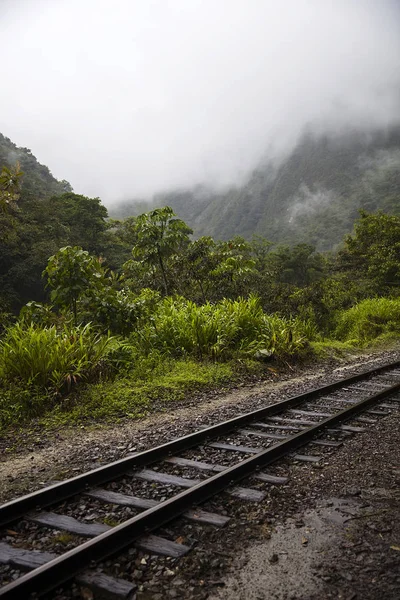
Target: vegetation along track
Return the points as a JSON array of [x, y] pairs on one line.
[[220, 456]]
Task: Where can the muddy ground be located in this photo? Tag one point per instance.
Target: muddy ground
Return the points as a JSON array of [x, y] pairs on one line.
[[331, 532], [342, 538]]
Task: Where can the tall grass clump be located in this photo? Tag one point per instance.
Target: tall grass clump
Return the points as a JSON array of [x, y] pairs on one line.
[[369, 320], [51, 359], [220, 331]]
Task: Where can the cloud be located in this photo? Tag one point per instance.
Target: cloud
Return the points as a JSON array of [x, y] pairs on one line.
[[133, 97], [307, 202]]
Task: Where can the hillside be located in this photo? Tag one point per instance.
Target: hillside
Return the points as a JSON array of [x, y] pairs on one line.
[[38, 182], [313, 195], [46, 217]]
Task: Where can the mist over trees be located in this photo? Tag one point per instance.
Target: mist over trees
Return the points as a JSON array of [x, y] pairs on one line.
[[156, 250], [313, 195]]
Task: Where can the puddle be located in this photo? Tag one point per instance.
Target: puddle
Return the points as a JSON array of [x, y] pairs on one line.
[[287, 566]]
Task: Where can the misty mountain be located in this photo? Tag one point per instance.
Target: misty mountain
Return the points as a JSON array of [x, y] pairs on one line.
[[38, 182], [313, 195]]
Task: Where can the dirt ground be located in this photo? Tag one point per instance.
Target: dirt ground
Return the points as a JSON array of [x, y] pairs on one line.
[[341, 541]]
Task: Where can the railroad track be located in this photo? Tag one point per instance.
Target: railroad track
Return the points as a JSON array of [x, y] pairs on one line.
[[211, 460]]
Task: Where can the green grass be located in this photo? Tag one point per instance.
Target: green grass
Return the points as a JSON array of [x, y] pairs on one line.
[[332, 349], [40, 365], [64, 538], [369, 320], [136, 395]]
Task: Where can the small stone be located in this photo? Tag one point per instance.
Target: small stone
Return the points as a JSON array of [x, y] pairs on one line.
[[353, 491], [274, 558], [299, 523]]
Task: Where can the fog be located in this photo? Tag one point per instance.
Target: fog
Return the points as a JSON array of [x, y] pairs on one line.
[[132, 97], [308, 201]]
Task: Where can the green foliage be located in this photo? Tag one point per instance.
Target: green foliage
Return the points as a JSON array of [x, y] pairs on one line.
[[38, 181], [81, 221], [198, 263], [19, 403], [373, 252], [120, 311], [222, 300], [9, 196], [54, 360], [71, 272], [37, 230], [38, 313], [159, 236], [229, 328], [369, 319], [329, 348], [156, 382], [299, 265], [9, 187]]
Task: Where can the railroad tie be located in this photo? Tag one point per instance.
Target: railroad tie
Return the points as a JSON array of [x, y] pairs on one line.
[[154, 544], [310, 413], [237, 492], [201, 516], [108, 587], [262, 434]]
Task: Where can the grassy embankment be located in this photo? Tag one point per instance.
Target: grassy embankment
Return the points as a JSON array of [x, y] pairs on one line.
[[70, 375]]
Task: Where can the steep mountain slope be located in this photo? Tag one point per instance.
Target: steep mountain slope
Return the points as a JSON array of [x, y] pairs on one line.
[[37, 182], [313, 195]]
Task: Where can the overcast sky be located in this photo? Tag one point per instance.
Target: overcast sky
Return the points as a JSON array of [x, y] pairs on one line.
[[125, 98]]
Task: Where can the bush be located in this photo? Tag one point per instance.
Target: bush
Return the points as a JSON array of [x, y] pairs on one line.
[[369, 319], [52, 359], [229, 328]]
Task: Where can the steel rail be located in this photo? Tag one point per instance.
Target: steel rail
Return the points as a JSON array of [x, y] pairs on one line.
[[15, 509], [65, 567]]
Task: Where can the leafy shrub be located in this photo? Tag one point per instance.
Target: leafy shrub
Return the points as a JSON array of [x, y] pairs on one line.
[[47, 358], [369, 319], [118, 311], [229, 328], [39, 313], [18, 402]]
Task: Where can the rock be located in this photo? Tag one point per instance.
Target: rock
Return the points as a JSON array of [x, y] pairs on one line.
[[273, 558], [353, 491]]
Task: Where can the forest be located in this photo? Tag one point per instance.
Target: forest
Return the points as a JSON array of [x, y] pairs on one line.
[[102, 319]]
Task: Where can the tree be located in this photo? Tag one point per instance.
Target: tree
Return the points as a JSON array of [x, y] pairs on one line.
[[9, 187], [82, 219], [373, 251], [9, 195], [71, 273], [235, 265], [193, 269], [159, 236], [299, 265]]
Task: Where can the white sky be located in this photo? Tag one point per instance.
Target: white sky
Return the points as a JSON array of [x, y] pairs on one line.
[[125, 98]]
